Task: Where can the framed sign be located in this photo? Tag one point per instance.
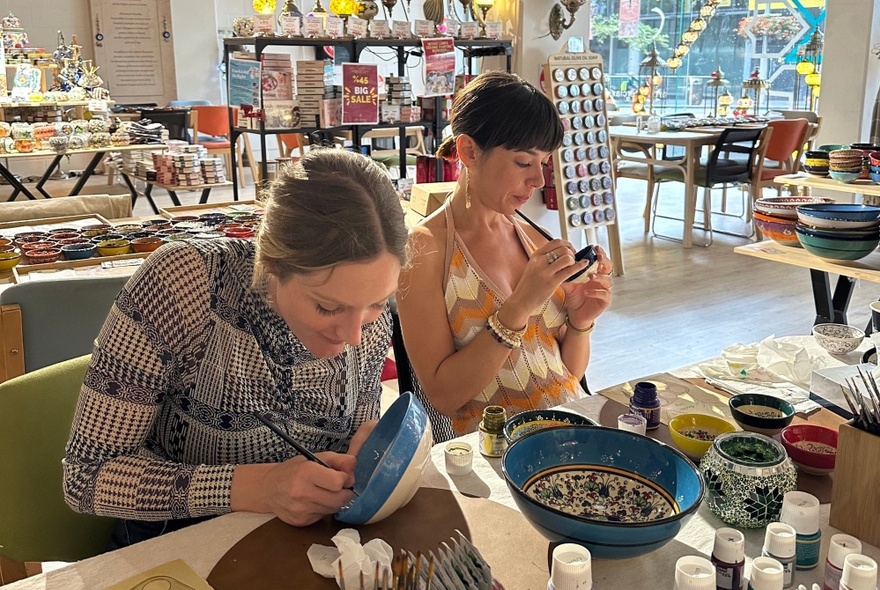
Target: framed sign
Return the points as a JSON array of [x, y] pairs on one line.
[[360, 94]]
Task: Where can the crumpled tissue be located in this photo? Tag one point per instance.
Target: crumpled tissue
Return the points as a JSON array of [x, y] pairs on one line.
[[355, 559], [773, 367]]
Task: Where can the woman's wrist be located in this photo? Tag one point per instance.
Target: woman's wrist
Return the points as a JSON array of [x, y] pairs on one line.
[[511, 317], [579, 330], [248, 485]]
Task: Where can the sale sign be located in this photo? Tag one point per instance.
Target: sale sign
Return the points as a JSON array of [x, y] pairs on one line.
[[360, 94]]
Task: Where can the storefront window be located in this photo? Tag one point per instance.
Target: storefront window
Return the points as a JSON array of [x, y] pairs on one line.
[[747, 39]]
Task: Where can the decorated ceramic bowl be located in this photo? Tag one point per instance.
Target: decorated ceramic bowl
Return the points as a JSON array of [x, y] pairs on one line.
[[8, 260], [43, 256], [778, 229], [618, 493], [760, 413], [846, 211], [838, 338], [79, 251], [813, 448], [693, 434], [786, 206], [390, 463], [113, 247], [146, 244], [747, 474], [837, 248], [531, 421]]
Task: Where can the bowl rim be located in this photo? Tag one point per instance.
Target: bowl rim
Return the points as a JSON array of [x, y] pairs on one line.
[[717, 419], [605, 523], [786, 407], [792, 428], [839, 338], [511, 422]]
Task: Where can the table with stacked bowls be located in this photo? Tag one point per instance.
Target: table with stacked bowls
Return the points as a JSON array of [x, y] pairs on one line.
[[838, 231], [776, 217]]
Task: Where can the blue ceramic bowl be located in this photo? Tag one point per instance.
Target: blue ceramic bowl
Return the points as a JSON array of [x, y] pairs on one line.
[[848, 211], [618, 493], [531, 421], [78, 251], [390, 463], [845, 177], [760, 413]]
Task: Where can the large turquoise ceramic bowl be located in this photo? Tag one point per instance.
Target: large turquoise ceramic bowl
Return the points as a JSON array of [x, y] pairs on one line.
[[617, 493], [390, 463], [834, 248]]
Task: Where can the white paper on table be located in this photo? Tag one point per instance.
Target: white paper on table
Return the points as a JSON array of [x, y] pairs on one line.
[[356, 559]]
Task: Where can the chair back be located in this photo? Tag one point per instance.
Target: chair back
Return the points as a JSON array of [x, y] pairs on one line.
[[213, 120], [810, 116], [36, 411], [176, 121], [61, 318], [789, 136], [734, 155]]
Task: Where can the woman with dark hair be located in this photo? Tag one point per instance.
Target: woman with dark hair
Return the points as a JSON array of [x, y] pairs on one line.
[[487, 316], [293, 326]]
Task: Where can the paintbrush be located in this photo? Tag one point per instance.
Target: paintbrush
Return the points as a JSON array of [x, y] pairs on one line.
[[299, 448]]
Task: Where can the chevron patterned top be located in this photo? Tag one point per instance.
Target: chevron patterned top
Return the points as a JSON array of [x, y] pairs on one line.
[[533, 376]]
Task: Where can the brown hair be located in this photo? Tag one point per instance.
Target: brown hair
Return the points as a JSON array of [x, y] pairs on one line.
[[329, 207], [501, 109]]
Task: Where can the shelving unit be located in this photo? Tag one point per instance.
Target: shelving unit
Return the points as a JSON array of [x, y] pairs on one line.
[[470, 48]]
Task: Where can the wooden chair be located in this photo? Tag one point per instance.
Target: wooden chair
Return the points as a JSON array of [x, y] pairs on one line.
[[36, 411], [783, 151], [736, 158], [213, 120], [45, 322]]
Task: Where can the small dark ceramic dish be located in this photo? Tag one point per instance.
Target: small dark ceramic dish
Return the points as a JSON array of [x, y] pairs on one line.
[[531, 421], [31, 234], [147, 244], [91, 233], [63, 230], [107, 237], [813, 448], [127, 228], [159, 222], [43, 256], [183, 219], [58, 236], [618, 493], [97, 227], [78, 251], [74, 241], [764, 414]]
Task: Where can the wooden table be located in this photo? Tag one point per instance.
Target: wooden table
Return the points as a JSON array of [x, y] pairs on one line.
[[803, 180], [203, 545], [830, 307], [693, 143], [172, 190], [97, 156]]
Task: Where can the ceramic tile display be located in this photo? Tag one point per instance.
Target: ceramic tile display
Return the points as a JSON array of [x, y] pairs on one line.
[[746, 476], [582, 165]]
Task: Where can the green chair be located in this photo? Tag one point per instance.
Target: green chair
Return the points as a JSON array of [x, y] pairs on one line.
[[36, 410]]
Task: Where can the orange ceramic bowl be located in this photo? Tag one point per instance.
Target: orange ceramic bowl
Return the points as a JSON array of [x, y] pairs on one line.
[[778, 229], [43, 256], [146, 244]]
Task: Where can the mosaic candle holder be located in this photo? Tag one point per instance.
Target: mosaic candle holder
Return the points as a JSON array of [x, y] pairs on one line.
[[747, 474]]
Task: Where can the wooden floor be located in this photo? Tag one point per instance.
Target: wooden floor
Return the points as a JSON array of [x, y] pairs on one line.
[[673, 307]]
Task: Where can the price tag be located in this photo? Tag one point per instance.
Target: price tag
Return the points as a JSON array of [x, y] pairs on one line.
[[97, 106], [453, 27], [469, 30], [314, 26], [575, 44], [401, 29], [493, 29], [264, 23], [404, 186], [335, 27], [424, 28], [379, 29], [357, 27], [290, 25]]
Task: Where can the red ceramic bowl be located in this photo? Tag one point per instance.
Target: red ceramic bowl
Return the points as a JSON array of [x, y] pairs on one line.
[[28, 235], [813, 448], [63, 230], [239, 233], [43, 256], [778, 229], [146, 244], [44, 245], [56, 236]]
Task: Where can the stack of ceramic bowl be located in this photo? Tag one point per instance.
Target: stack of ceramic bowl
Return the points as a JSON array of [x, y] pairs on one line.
[[866, 149], [845, 165], [874, 166], [776, 217], [816, 162], [838, 231]]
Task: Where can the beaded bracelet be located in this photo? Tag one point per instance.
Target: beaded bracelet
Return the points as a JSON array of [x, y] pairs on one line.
[[504, 335], [586, 330]]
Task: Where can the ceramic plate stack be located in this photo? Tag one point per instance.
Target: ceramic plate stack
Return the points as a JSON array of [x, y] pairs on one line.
[[845, 165], [776, 217], [838, 231]]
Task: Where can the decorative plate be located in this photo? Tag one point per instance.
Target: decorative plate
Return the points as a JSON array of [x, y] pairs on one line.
[[598, 492]]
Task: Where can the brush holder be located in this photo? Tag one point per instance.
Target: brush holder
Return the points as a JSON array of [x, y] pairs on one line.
[[853, 497]]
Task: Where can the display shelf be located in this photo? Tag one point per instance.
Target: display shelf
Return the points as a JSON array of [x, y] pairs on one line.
[[470, 48]]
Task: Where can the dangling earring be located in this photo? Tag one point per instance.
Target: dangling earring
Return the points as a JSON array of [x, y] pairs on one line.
[[467, 191]]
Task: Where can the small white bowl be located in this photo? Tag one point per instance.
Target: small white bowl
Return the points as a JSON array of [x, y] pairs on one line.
[[838, 338]]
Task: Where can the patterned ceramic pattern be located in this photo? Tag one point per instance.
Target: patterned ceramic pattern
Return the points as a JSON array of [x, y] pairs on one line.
[[745, 493], [600, 493], [838, 338]]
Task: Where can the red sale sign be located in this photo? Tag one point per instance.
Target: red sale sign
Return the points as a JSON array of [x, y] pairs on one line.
[[360, 94]]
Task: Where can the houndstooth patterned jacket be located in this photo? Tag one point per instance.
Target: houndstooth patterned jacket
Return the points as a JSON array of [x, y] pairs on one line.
[[186, 357]]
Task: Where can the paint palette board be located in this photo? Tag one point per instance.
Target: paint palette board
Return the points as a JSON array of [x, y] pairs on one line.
[[582, 165]]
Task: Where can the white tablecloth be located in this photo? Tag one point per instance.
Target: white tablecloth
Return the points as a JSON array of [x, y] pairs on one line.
[[202, 545]]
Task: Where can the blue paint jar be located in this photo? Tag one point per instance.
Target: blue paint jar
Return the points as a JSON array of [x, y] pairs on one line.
[[644, 401]]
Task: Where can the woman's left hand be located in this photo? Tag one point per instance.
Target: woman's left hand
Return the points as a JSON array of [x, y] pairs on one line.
[[586, 301]]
